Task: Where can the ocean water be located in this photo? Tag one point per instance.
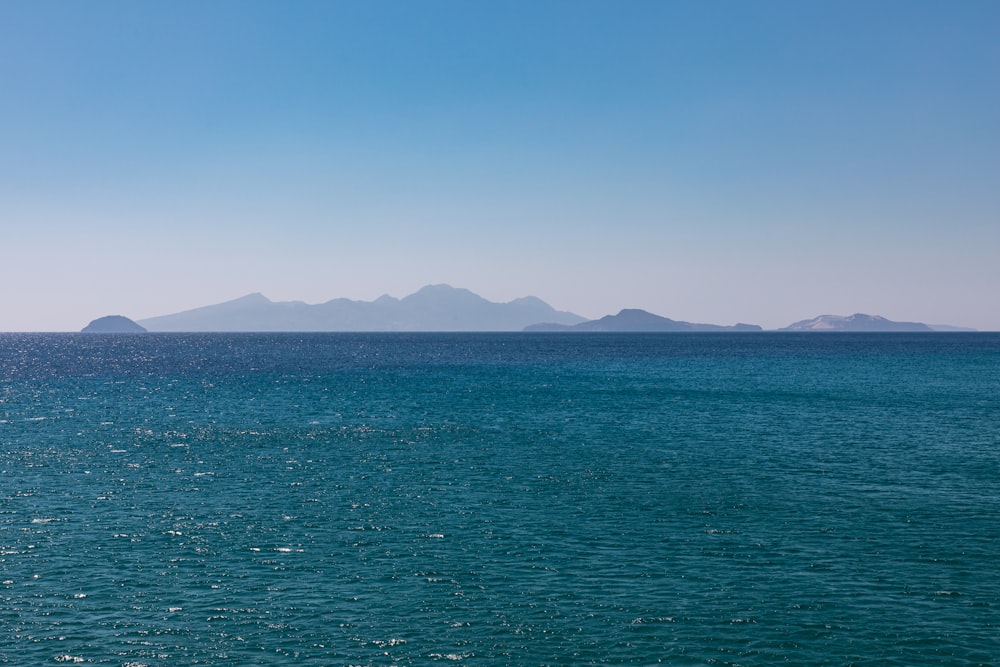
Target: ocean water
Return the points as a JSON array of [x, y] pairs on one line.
[[508, 499]]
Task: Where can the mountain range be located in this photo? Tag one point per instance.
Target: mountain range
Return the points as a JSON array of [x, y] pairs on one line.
[[433, 308], [446, 308]]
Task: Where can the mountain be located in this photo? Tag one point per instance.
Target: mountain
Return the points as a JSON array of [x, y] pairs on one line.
[[635, 320], [856, 322], [433, 308], [113, 324]]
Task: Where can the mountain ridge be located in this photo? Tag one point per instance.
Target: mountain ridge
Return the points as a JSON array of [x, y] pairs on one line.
[[439, 307]]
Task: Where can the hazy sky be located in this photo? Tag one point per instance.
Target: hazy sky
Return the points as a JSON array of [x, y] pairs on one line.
[[761, 162]]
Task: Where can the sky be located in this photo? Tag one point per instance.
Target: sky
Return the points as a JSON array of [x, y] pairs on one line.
[[709, 161]]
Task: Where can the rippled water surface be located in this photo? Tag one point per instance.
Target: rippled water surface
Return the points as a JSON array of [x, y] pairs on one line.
[[342, 499]]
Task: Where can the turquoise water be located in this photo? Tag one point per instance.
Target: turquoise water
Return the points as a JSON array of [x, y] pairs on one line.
[[516, 499]]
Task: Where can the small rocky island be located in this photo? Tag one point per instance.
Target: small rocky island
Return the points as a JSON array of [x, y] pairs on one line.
[[113, 324]]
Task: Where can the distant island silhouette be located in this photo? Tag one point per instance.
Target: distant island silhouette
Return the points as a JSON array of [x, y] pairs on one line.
[[858, 322], [432, 308], [113, 324], [638, 321], [446, 308]]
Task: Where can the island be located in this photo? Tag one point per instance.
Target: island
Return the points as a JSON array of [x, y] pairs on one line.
[[635, 320], [116, 324], [858, 322]]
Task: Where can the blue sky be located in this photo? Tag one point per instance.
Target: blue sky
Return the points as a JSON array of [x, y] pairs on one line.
[[709, 161]]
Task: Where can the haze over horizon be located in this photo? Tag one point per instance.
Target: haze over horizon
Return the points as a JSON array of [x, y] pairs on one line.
[[706, 161]]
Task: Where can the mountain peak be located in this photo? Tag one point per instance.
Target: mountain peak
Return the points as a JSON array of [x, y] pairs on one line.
[[526, 300], [439, 288], [253, 297]]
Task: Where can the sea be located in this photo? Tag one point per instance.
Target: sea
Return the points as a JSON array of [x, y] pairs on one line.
[[500, 499]]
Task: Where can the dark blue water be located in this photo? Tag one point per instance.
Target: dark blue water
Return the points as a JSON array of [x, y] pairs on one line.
[[408, 499]]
